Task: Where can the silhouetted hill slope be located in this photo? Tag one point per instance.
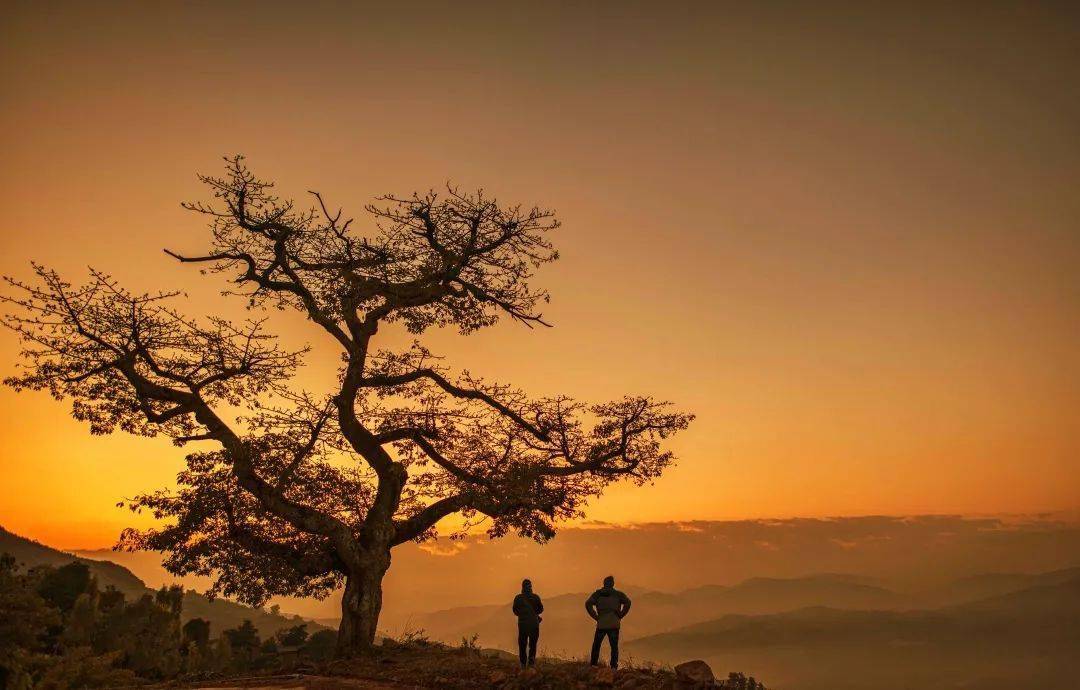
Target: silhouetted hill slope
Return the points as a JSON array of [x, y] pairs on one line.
[[1030, 637], [31, 553], [768, 595], [1053, 599], [221, 613], [987, 585]]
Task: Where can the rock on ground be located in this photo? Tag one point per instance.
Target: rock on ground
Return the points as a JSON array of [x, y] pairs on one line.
[[692, 675]]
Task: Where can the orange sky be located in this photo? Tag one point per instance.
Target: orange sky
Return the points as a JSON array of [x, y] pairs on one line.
[[847, 239]]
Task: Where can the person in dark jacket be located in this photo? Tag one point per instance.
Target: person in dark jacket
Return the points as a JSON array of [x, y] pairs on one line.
[[527, 608], [607, 606]]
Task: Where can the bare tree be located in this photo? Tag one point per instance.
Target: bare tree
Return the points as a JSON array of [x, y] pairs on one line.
[[301, 493]]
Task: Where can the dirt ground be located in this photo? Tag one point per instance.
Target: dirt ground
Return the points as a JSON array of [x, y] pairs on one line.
[[428, 666], [302, 681]]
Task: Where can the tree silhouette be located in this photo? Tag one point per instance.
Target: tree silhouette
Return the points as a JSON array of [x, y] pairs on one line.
[[25, 619], [293, 636], [196, 632], [244, 641], [303, 492], [321, 644], [62, 586]]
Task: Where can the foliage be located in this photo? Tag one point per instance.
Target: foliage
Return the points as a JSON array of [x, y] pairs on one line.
[[102, 639], [25, 616], [739, 681], [470, 644], [412, 636], [244, 638], [269, 646], [147, 631], [294, 636], [196, 632], [321, 644], [245, 646], [79, 667], [58, 630], [62, 586]]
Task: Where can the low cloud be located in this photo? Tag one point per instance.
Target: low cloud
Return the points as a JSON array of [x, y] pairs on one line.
[[443, 547]]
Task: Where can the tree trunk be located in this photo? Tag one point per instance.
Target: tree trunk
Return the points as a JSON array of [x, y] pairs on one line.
[[360, 607]]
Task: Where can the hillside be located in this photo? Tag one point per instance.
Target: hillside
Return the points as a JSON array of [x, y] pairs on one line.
[[32, 553], [989, 585], [221, 613], [1057, 601], [1029, 636]]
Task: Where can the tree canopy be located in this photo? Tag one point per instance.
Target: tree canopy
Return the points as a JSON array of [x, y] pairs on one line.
[[302, 489]]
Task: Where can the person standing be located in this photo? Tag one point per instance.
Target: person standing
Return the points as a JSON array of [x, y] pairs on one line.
[[607, 606], [527, 608]]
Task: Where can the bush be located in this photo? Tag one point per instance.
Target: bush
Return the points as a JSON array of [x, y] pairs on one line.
[[321, 645]]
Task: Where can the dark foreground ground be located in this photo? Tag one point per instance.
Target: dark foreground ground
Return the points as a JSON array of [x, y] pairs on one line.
[[427, 665]]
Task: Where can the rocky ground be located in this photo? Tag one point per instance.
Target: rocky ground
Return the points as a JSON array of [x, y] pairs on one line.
[[428, 665]]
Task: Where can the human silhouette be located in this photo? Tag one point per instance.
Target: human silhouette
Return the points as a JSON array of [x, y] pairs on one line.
[[607, 606], [527, 608]]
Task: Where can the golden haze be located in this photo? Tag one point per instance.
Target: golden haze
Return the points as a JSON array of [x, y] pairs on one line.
[[851, 251]]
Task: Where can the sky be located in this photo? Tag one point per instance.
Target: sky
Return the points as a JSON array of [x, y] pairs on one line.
[[846, 237]]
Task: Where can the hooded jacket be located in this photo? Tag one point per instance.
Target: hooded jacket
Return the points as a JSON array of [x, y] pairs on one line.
[[528, 607], [608, 606]]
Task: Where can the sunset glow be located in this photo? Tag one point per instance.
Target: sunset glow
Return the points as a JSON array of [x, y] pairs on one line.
[[860, 275]]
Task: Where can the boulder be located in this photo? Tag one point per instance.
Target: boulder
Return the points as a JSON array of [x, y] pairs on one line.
[[498, 678], [692, 675]]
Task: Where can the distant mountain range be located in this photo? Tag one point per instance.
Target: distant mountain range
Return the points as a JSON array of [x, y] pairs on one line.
[[657, 612], [221, 613], [828, 632], [991, 585], [1028, 638], [903, 553], [565, 627]]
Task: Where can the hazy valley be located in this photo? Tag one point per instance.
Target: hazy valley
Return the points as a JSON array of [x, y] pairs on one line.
[[824, 630]]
